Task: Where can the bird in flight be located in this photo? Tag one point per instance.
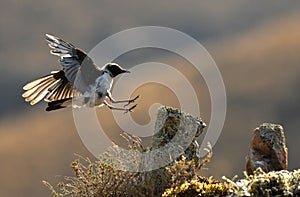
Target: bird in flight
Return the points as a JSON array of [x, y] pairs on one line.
[[79, 83]]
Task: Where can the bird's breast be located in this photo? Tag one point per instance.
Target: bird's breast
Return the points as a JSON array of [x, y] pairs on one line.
[[103, 83], [103, 86]]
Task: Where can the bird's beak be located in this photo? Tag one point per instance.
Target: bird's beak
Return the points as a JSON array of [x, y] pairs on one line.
[[127, 71]]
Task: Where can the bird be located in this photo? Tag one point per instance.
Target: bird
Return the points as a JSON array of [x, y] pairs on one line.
[[80, 82]]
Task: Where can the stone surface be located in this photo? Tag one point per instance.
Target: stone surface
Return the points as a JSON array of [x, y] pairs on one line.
[[268, 149], [176, 133]]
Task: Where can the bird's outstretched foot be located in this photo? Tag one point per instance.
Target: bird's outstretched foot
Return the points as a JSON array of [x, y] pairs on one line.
[[130, 109], [132, 100]]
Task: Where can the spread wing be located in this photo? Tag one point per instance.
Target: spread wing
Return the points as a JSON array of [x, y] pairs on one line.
[[78, 73], [76, 64]]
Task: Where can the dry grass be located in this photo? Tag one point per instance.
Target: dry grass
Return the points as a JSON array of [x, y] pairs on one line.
[[99, 178]]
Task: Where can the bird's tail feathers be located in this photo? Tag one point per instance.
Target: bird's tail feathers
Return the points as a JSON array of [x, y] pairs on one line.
[[38, 89]]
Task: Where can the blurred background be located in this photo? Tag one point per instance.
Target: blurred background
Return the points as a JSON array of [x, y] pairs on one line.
[[255, 44]]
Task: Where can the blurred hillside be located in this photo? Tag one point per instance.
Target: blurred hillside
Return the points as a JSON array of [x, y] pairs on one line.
[[24, 53], [255, 44], [261, 71]]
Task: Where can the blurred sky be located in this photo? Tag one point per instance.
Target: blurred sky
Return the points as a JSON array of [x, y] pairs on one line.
[[24, 52], [255, 43]]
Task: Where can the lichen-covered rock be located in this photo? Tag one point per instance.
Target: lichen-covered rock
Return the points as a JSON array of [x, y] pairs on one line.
[[176, 132], [268, 149], [275, 183]]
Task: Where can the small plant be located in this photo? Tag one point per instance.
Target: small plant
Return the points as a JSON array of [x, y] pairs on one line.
[[187, 182], [94, 179], [109, 176], [100, 179]]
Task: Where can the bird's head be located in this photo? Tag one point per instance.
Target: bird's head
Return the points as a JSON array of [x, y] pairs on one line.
[[114, 69]]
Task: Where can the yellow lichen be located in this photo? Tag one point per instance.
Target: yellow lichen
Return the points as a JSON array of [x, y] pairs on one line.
[[198, 187]]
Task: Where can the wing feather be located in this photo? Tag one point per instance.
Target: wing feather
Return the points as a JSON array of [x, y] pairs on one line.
[[73, 59], [60, 85]]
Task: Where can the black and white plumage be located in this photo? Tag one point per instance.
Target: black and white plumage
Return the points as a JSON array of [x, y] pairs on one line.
[[80, 80]]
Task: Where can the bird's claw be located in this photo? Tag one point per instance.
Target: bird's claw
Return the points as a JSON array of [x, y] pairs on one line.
[[130, 109], [132, 100]]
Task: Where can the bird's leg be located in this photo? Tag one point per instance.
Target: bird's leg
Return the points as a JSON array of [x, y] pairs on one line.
[[121, 101], [118, 108]]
